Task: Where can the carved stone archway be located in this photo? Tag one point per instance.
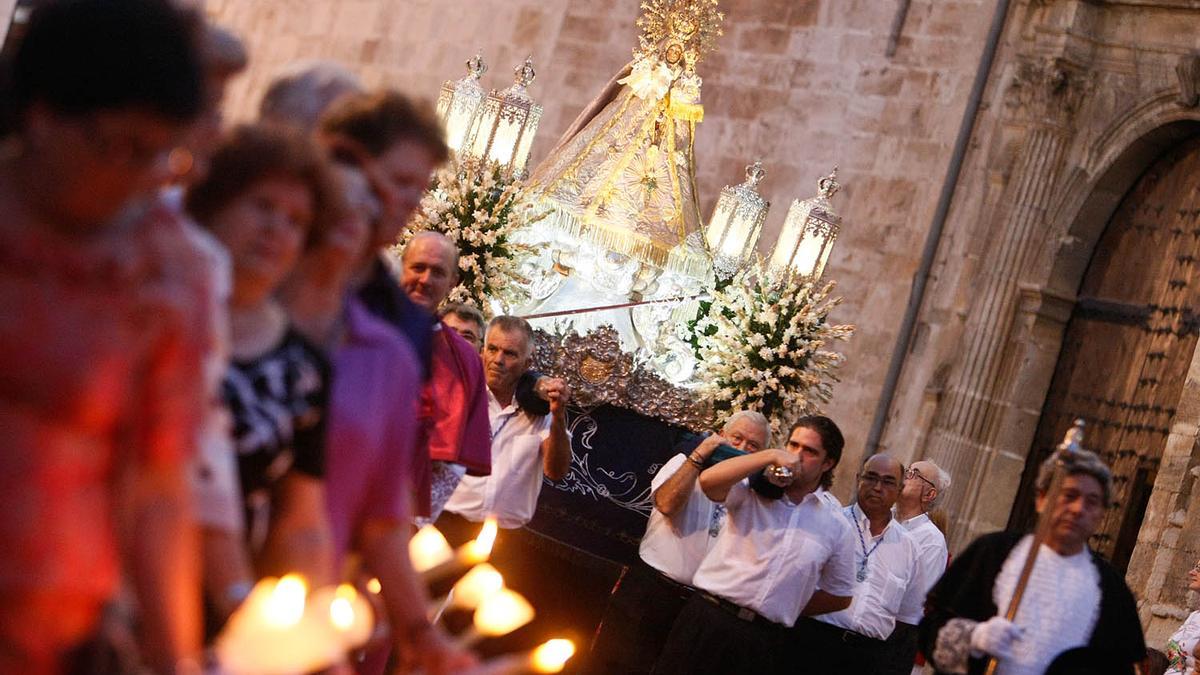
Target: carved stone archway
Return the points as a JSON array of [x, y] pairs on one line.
[[1061, 193]]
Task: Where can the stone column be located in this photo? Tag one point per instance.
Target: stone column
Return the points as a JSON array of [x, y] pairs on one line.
[[1043, 97], [1169, 539]]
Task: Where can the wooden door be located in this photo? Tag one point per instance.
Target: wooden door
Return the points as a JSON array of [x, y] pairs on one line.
[[1128, 345]]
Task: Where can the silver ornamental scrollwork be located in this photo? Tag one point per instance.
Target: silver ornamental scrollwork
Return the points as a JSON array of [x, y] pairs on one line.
[[601, 373]]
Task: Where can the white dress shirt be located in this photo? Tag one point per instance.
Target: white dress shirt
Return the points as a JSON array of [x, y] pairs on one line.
[[1058, 611], [891, 589], [771, 554], [932, 554], [675, 545], [511, 491]]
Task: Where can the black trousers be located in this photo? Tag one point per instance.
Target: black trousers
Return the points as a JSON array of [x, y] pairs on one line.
[[899, 651], [641, 610], [709, 638], [832, 650]]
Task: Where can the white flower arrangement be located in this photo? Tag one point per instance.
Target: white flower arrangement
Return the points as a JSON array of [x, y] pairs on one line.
[[765, 345], [479, 206]]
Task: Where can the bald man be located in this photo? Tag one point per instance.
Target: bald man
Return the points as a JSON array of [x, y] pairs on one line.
[[454, 406], [886, 586]]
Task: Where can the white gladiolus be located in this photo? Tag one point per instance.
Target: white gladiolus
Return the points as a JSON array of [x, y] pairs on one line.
[[800, 374]]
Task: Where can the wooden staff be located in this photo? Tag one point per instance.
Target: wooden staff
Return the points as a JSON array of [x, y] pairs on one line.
[[1071, 443]]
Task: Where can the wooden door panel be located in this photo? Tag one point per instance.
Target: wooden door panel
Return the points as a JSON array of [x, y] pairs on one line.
[[1128, 345]]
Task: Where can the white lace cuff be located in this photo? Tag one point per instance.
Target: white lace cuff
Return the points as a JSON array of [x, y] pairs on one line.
[[952, 649]]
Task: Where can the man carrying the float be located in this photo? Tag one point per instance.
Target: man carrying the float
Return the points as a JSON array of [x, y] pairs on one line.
[[682, 527], [887, 589], [1076, 614], [771, 555]]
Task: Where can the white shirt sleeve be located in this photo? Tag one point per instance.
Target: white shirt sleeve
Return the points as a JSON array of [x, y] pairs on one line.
[[666, 471], [931, 563], [738, 494], [837, 574], [912, 605]]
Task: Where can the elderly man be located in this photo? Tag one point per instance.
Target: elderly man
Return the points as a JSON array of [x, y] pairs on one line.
[[524, 447], [768, 561], [454, 404], [1077, 615], [683, 525], [886, 573], [925, 487]]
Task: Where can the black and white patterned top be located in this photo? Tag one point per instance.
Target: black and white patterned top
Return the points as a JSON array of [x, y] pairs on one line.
[[278, 403]]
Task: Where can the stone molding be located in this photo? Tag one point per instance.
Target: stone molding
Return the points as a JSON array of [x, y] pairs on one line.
[[1047, 89], [1187, 69]]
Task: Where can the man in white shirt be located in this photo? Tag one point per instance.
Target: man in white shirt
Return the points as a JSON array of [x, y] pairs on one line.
[[925, 487], [682, 527], [886, 573], [765, 567], [524, 447]]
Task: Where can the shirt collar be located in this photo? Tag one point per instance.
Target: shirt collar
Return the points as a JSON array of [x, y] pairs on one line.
[[865, 523], [494, 403], [915, 520]]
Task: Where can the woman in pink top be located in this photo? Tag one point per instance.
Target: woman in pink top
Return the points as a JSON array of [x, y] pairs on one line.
[[374, 471]]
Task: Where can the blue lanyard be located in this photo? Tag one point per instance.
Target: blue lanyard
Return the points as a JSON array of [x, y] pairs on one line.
[[862, 566], [502, 425]]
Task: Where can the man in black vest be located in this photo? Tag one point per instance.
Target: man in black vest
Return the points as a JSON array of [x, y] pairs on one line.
[[1076, 616]]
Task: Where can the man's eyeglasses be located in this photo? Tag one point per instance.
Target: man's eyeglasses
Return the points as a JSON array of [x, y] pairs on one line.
[[872, 478], [913, 473]]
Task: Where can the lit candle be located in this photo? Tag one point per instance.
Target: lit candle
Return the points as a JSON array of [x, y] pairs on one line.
[[349, 613], [471, 553], [428, 549], [284, 607], [481, 582], [502, 612], [551, 656], [480, 549], [278, 630]]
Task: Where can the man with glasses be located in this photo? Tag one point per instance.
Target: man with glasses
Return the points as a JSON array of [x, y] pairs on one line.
[[925, 488], [682, 527], [885, 566]]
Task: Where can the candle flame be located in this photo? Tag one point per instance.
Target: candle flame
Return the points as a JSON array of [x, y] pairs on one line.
[[341, 613], [552, 655], [285, 605], [428, 549], [481, 548], [502, 612], [482, 581]]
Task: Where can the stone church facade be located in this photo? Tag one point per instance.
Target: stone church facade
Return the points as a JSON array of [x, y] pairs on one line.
[[1022, 212]]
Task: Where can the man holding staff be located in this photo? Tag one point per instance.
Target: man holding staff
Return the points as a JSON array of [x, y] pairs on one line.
[[1075, 613]]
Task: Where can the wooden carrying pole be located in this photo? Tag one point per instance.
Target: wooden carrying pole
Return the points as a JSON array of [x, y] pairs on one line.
[[1071, 443]]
